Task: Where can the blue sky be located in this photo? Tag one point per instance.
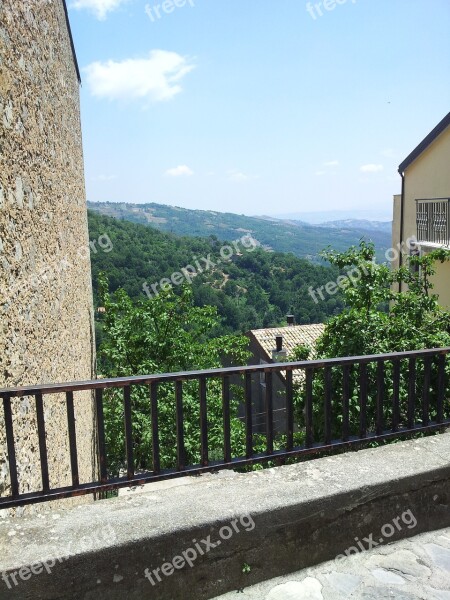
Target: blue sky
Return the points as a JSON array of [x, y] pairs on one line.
[[257, 106]]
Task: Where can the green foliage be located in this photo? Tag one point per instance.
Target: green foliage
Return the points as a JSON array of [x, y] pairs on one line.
[[378, 320], [254, 289], [166, 334]]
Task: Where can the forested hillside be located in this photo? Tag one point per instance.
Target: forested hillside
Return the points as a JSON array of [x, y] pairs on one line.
[[303, 240], [252, 289]]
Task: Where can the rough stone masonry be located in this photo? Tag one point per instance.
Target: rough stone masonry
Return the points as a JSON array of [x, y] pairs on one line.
[[46, 313]]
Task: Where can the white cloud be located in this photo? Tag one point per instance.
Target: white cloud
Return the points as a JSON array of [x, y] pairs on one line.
[[321, 173], [100, 8], [331, 163], [180, 171], [371, 168], [155, 78], [238, 176]]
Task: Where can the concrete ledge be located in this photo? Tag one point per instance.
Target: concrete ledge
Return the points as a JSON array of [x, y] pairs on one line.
[[303, 514]]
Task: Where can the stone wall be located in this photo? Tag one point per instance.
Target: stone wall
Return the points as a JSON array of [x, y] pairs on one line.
[[273, 522], [46, 313]]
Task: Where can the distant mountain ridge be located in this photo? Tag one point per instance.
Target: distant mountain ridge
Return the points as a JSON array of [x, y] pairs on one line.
[[327, 216], [363, 224], [302, 239]]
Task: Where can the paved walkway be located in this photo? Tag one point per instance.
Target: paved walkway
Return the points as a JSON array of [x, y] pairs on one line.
[[418, 567]]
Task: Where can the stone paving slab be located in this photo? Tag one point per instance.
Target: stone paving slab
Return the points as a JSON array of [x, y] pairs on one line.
[[415, 568]]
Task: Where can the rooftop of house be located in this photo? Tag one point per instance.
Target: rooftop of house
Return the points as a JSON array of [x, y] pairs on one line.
[[293, 336], [427, 141]]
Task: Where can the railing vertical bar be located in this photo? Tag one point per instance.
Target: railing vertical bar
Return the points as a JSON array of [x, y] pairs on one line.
[[101, 435], [380, 398], [396, 396], [204, 422], [248, 416], [155, 427], [427, 363], [289, 410], [441, 388], [309, 373], [411, 391], [346, 403], [72, 439], [269, 412], [327, 406], [226, 419], [128, 431], [10, 446], [181, 454], [40, 418], [363, 400]]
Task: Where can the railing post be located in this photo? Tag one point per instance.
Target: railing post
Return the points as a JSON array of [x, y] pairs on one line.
[[309, 373], [248, 416], [289, 410], [396, 396], [226, 419], [380, 398], [346, 403], [363, 400], [327, 406], [101, 435], [204, 422], [155, 427], [181, 454], [10, 446], [411, 392], [269, 413], [42, 441], [128, 431], [72, 439]]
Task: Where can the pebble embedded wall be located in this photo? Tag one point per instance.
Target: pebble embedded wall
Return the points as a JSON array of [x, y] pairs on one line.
[[46, 313]]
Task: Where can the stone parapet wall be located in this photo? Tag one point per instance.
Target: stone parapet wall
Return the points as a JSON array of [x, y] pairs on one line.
[[228, 531]]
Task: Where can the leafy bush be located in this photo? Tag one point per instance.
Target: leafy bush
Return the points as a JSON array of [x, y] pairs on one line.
[[378, 320], [164, 335]]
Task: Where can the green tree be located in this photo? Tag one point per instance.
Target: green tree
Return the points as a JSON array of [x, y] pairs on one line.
[[166, 334], [376, 320]]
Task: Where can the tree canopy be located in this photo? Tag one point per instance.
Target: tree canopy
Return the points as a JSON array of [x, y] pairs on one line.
[[377, 319]]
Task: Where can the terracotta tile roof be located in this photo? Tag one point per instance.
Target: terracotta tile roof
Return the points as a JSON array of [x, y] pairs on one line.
[[292, 336]]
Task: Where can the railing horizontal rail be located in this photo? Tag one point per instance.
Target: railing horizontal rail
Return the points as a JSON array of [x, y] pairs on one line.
[[139, 480], [120, 382], [188, 423]]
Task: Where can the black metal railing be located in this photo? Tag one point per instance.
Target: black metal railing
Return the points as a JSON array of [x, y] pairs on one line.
[[433, 221], [336, 404]]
